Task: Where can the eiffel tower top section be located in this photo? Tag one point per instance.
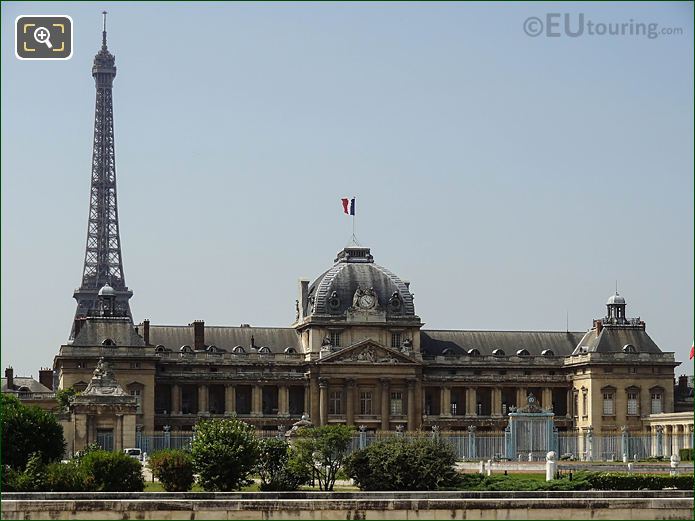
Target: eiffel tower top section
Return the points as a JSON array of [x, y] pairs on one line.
[[103, 264]]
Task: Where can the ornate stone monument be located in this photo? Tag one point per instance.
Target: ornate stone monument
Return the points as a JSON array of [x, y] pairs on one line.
[[103, 413]]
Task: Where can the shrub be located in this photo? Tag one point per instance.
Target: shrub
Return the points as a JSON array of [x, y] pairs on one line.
[[113, 471], [279, 466], [403, 464], [629, 481], [67, 477], [686, 454], [224, 453], [28, 430], [63, 397], [324, 449], [173, 468]]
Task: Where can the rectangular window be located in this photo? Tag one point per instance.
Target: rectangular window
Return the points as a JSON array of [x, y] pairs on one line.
[[366, 402], [632, 404], [585, 409], [396, 403], [138, 394], [576, 405], [335, 338], [335, 402], [656, 403], [395, 340], [608, 404]]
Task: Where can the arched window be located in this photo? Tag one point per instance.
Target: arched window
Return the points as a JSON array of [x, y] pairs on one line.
[[265, 350], [186, 349], [160, 349], [498, 352], [523, 352], [108, 343], [239, 350], [290, 351], [629, 348], [473, 352], [547, 352]]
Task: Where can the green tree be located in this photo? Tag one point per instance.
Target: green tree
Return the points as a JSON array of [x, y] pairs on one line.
[[63, 397], [279, 467], [403, 464], [324, 449], [26, 430], [224, 454], [173, 468]]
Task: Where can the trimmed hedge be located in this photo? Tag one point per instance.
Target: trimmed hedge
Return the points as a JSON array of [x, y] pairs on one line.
[[630, 481], [113, 471], [173, 468]]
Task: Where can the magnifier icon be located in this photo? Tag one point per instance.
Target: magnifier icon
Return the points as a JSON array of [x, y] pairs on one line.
[[43, 35]]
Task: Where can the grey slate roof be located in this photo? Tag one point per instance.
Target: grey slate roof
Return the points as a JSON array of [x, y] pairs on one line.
[[226, 337], [562, 343], [345, 278], [97, 329], [612, 340], [34, 386]]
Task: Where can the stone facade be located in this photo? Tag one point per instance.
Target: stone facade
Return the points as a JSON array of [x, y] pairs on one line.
[[357, 354]]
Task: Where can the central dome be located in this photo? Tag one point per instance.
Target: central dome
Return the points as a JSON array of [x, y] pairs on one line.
[[352, 282]]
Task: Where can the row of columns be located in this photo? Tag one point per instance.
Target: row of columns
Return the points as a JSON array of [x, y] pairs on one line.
[[230, 399], [383, 394], [546, 400]]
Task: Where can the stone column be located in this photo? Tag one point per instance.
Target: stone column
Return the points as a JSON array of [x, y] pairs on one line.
[[283, 401], [471, 402], [92, 423], [350, 401], [385, 403], [314, 403], [445, 401], [570, 403], [175, 399], [521, 394], [229, 399], [546, 398], [323, 401], [496, 401], [411, 406], [257, 401], [202, 399], [118, 434]]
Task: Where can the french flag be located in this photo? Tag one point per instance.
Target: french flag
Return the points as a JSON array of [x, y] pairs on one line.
[[348, 205]]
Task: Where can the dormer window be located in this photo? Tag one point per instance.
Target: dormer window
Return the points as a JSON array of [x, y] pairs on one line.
[[547, 352], [473, 352], [265, 350], [629, 348], [498, 352], [523, 352], [108, 343]]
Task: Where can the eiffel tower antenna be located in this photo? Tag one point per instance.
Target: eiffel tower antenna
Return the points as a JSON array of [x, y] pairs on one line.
[[103, 262]]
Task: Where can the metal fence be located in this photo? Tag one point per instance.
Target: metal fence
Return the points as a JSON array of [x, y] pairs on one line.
[[472, 445]]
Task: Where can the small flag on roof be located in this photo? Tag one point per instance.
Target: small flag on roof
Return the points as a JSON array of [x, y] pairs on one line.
[[348, 205], [692, 351]]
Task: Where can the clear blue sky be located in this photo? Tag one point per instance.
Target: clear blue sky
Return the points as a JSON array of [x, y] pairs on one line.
[[511, 179]]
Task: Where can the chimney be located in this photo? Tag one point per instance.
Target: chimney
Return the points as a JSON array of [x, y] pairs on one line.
[[9, 374], [46, 377], [599, 326], [146, 331], [198, 335], [303, 296]]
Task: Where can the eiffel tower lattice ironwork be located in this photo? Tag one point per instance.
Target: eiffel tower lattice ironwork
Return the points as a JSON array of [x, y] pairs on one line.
[[103, 263]]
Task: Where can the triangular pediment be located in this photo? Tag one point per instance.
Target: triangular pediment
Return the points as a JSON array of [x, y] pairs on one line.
[[368, 352]]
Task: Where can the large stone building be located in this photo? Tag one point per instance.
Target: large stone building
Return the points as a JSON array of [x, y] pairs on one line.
[[356, 352]]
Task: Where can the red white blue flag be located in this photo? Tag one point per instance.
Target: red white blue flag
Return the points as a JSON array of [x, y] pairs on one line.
[[348, 205]]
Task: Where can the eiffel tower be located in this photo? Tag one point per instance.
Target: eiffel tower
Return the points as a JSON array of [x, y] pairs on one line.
[[103, 263]]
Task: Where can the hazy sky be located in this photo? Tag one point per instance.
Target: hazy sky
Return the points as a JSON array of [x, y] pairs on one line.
[[511, 179]]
